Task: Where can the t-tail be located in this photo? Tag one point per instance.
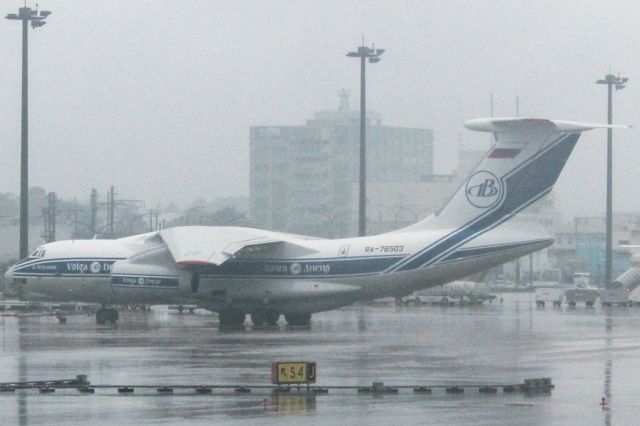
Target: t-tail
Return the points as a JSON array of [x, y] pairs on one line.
[[519, 169]]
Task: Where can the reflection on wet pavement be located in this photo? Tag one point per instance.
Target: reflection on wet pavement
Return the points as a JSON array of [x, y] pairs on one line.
[[580, 349]]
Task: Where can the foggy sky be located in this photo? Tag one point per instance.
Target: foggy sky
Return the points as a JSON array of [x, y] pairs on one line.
[[156, 97]]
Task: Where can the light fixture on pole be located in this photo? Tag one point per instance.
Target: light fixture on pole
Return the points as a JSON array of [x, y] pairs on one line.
[[373, 55], [619, 83], [37, 20]]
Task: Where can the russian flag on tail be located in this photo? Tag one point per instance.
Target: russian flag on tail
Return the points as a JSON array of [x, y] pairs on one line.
[[504, 152]]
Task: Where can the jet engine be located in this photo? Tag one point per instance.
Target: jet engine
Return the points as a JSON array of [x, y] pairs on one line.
[[151, 268], [189, 281]]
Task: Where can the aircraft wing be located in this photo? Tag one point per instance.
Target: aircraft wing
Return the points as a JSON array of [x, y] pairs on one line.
[[212, 246]]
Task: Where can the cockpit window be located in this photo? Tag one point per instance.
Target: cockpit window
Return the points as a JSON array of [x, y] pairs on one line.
[[37, 254]]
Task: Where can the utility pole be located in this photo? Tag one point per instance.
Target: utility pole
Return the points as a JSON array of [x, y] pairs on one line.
[[26, 15], [111, 208], [49, 215], [93, 207], [75, 224], [619, 83], [373, 55]]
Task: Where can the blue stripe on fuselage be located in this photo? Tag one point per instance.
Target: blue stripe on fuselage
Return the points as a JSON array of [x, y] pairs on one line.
[[138, 281], [303, 267], [66, 266]]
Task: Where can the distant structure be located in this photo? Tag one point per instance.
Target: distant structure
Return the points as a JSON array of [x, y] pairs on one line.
[[304, 179], [580, 245]]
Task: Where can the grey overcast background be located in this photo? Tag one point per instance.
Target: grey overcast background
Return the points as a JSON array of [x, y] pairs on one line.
[[156, 97]]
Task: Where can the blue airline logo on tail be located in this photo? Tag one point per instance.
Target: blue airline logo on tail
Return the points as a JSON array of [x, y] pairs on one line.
[[483, 189]]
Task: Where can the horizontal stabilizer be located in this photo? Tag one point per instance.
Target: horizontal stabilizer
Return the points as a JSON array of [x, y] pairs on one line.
[[499, 125]]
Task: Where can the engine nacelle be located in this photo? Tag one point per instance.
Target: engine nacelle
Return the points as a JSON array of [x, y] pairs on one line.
[[152, 268], [189, 281]]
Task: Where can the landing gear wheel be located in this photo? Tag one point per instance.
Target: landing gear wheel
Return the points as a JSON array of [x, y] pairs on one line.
[[444, 301], [259, 317], [572, 304], [180, 309], [112, 315], [231, 318], [589, 304], [101, 316], [298, 319], [107, 314], [274, 316]]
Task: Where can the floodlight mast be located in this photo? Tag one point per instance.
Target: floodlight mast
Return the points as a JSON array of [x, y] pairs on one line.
[[26, 15], [373, 55], [619, 82]]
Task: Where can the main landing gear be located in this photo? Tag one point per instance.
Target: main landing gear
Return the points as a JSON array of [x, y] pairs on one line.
[[298, 319], [265, 316], [231, 318], [104, 315]]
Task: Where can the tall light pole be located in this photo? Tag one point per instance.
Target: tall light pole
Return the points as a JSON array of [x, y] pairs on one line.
[[619, 82], [26, 15], [373, 55]]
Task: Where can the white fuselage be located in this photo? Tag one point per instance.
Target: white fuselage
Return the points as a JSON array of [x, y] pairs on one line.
[[374, 266]]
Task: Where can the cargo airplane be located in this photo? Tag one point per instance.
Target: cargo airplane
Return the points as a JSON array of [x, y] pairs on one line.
[[237, 271]]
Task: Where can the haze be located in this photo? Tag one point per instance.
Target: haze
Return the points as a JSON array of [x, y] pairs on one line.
[[156, 97]]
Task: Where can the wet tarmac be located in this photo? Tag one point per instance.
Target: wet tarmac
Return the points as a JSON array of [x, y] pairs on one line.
[[589, 353]]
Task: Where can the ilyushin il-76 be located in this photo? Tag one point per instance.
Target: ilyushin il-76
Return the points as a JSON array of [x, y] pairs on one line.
[[237, 271]]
